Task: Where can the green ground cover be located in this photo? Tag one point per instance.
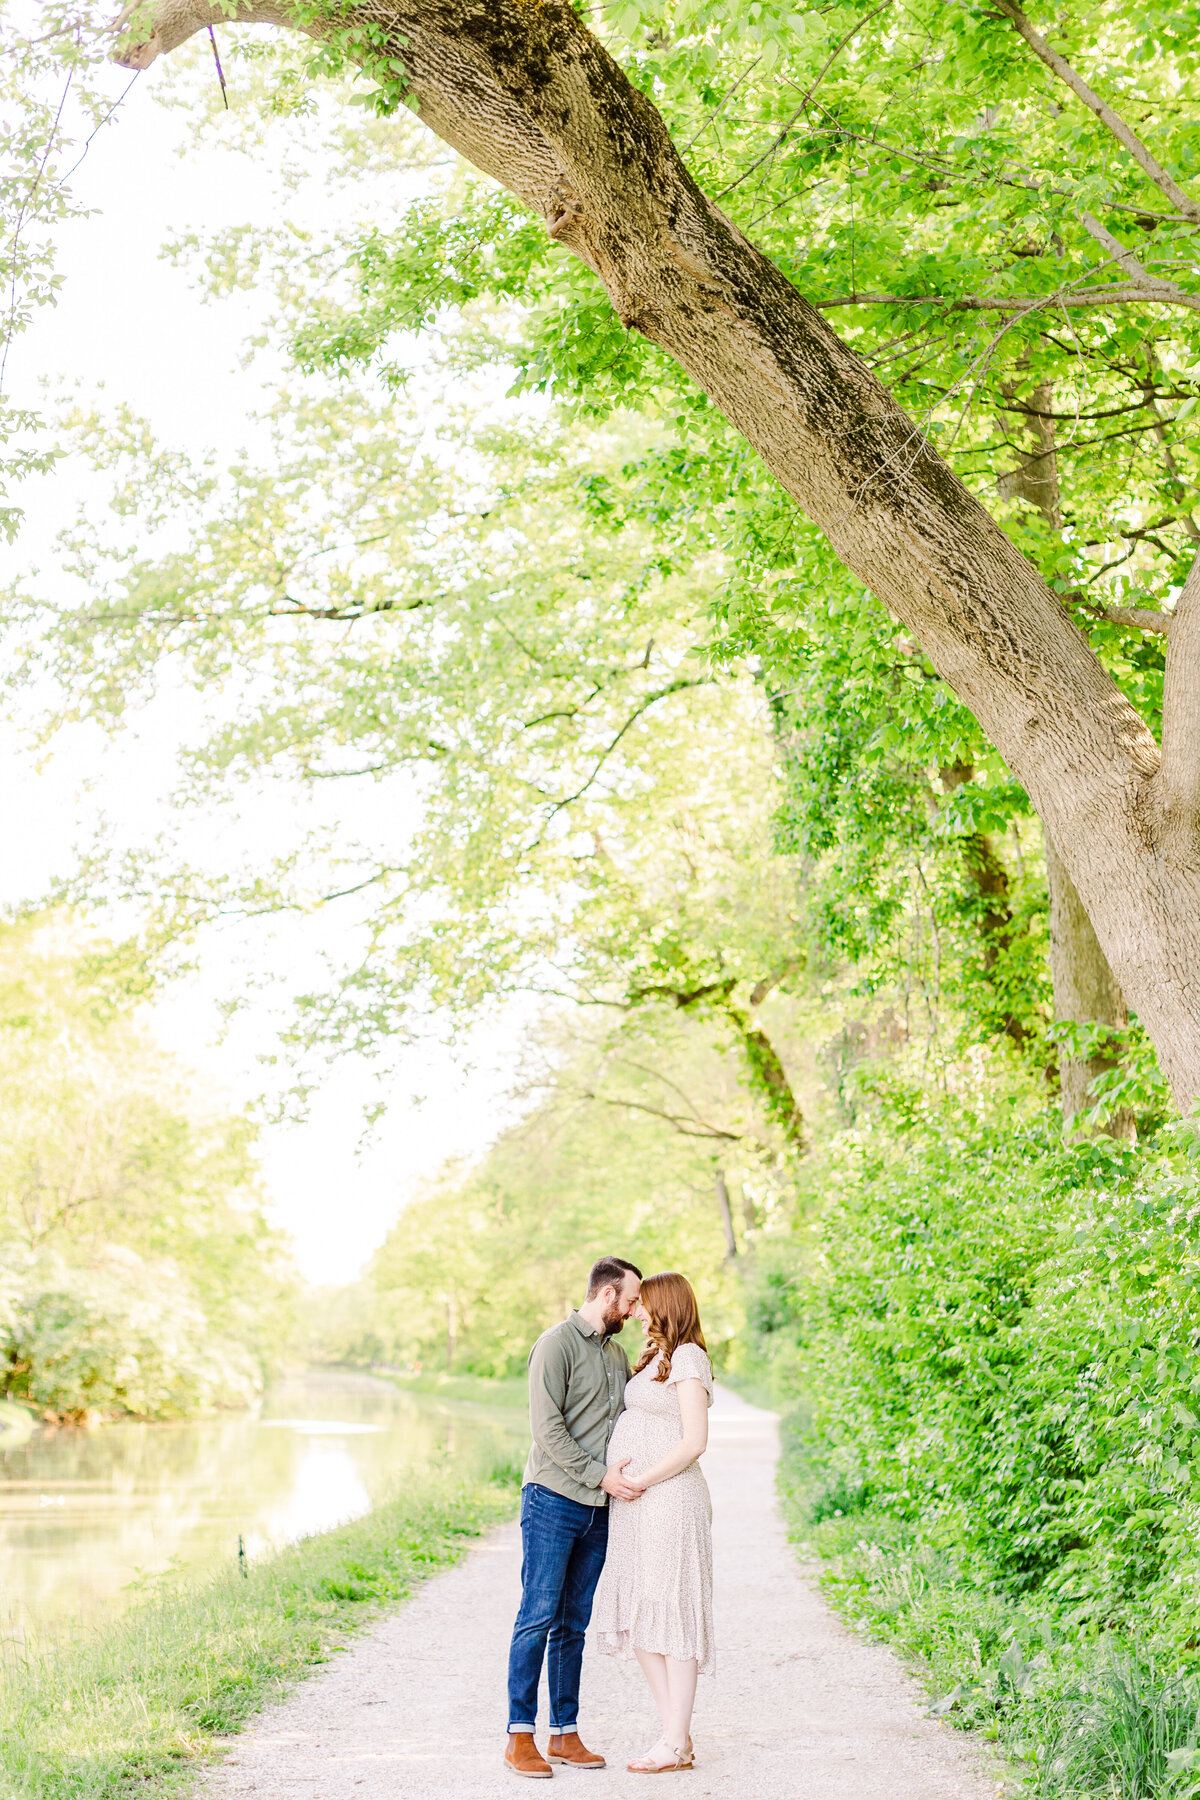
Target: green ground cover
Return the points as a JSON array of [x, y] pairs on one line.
[[478, 1390], [136, 1704]]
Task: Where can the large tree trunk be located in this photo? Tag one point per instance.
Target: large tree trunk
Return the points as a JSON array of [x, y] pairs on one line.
[[529, 96], [1085, 990]]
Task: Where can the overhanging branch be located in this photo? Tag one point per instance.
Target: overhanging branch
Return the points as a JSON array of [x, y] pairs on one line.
[[531, 97], [1111, 120], [1150, 292]]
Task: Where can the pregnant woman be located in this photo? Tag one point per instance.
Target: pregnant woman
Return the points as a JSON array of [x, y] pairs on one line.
[[655, 1598]]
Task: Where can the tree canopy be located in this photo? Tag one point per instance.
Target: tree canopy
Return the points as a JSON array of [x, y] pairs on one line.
[[540, 104]]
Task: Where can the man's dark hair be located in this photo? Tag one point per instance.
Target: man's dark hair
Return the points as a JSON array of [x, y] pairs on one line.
[[610, 1271]]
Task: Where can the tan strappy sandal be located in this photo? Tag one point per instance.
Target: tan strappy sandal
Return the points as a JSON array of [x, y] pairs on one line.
[[683, 1759]]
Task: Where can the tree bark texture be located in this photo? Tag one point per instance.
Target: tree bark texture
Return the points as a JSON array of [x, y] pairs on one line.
[[1085, 989], [524, 91]]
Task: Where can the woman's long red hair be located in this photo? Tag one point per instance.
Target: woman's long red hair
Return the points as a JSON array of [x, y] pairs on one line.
[[674, 1319]]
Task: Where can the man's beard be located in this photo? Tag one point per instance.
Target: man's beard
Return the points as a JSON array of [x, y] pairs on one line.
[[614, 1323]]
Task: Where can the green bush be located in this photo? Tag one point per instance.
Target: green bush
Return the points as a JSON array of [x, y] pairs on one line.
[[123, 1335], [997, 1337], [1001, 1337]]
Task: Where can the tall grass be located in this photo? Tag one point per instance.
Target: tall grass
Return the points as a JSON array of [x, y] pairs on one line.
[[1127, 1728], [133, 1706]]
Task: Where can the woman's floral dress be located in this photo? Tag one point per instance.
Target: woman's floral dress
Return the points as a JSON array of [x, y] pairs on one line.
[[656, 1589]]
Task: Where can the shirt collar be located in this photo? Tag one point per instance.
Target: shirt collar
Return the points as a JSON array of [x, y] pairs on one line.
[[582, 1327]]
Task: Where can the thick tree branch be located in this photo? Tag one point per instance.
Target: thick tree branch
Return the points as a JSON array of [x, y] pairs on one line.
[[1112, 121], [1139, 618], [768, 1075], [766, 1070], [1124, 258], [769, 983], [684, 998], [530, 97]]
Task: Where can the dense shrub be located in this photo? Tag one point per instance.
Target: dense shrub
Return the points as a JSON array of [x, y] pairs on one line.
[[997, 1341], [1000, 1337]]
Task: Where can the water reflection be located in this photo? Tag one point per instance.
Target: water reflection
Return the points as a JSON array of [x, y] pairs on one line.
[[88, 1516]]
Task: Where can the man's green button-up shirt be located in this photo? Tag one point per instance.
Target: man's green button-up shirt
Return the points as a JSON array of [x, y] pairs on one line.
[[576, 1391]]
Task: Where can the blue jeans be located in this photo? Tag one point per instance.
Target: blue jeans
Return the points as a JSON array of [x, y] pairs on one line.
[[563, 1549]]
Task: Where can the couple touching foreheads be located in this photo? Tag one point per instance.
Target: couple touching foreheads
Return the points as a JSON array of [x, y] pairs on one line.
[[613, 1495]]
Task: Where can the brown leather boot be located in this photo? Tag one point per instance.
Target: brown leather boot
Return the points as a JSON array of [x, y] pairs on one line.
[[524, 1758], [569, 1748]]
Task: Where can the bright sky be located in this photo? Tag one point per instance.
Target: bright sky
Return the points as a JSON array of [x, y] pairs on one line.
[[129, 322]]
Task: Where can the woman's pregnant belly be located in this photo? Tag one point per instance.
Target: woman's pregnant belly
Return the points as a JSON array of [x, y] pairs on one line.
[[645, 1438]]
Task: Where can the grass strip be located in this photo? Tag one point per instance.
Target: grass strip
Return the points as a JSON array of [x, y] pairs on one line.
[[133, 1706], [478, 1390]]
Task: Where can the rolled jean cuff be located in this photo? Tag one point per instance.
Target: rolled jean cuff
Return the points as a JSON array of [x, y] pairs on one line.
[[513, 1728], [561, 1730]]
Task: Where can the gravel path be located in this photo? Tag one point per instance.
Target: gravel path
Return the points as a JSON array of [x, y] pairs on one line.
[[799, 1707]]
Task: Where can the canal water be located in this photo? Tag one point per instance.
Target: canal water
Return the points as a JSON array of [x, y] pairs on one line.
[[88, 1519]]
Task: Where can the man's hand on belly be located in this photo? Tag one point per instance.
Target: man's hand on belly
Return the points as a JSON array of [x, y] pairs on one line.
[[617, 1486]]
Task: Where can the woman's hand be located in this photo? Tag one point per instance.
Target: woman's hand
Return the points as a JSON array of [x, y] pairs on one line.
[[693, 1413]]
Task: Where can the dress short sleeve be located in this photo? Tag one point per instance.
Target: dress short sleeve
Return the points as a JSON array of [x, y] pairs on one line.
[[689, 1363]]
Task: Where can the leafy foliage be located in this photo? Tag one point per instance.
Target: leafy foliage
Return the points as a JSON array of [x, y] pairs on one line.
[[619, 1152], [677, 769], [137, 1272], [995, 1337]]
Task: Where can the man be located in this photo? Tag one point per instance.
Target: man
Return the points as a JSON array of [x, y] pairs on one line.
[[577, 1376]]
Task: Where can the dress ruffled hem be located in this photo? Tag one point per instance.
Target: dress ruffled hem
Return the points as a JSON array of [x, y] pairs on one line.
[[661, 1630]]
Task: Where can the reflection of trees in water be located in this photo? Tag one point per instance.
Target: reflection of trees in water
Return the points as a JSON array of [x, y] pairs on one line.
[[140, 1498]]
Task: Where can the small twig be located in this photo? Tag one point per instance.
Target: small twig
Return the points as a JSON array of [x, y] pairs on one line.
[[728, 95], [23, 208], [220, 71], [782, 135]]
